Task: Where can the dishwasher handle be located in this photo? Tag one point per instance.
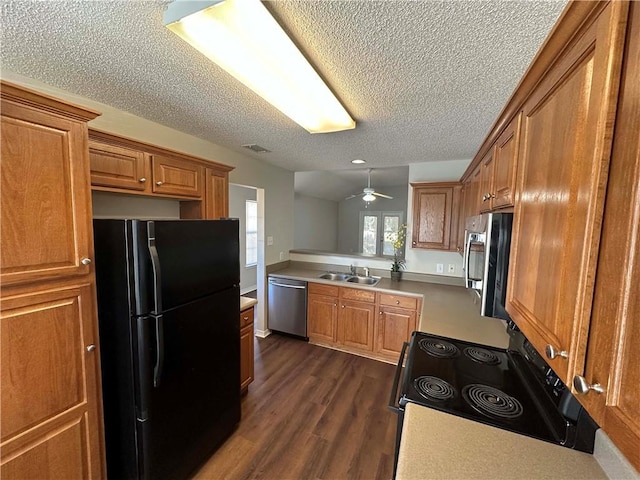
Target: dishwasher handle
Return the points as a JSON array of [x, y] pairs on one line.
[[299, 287]]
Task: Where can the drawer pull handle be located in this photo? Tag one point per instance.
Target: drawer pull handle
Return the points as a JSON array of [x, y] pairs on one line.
[[142, 180], [158, 183]]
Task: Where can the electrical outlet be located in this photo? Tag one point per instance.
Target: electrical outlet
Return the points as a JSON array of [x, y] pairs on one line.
[[452, 268], [440, 268], [269, 240], [281, 255]]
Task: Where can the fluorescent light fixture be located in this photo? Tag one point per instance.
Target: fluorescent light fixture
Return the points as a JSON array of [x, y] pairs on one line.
[[245, 40], [369, 197], [358, 161]]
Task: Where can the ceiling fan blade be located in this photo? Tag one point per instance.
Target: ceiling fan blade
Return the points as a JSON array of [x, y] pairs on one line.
[[382, 195], [353, 196]]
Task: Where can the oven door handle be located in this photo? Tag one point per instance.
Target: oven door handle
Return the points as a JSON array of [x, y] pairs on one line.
[[396, 380]]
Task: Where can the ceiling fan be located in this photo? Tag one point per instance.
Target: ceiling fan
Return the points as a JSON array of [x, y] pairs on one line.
[[368, 194]]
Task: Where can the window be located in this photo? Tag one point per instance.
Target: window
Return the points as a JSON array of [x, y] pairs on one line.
[[378, 231], [251, 231]]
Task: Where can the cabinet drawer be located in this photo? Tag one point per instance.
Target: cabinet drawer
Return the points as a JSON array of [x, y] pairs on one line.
[[398, 301], [322, 289], [357, 294], [246, 317]]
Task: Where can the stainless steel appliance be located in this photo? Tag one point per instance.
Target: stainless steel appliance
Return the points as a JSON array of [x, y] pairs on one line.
[[287, 306], [512, 389], [486, 260], [168, 308]]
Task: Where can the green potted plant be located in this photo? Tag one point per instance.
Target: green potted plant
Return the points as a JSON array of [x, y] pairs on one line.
[[399, 262]]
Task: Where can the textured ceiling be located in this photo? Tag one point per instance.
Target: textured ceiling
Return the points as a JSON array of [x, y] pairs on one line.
[[424, 80]]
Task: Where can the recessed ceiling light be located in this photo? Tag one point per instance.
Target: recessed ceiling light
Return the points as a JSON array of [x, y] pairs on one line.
[[358, 161]]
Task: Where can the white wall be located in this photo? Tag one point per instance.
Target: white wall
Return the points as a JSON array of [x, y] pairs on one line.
[[425, 261], [238, 196], [349, 215], [315, 223]]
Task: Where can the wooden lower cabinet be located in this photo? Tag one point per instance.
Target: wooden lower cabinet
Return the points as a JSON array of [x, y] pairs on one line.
[[361, 321], [394, 327], [355, 325], [246, 349], [50, 385]]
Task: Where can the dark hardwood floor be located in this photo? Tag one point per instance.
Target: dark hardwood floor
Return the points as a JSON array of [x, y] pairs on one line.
[[311, 413]]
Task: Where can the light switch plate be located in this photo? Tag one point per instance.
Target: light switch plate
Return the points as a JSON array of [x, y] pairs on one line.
[[269, 240]]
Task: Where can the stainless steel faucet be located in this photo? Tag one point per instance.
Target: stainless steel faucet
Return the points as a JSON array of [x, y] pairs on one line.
[[366, 272]]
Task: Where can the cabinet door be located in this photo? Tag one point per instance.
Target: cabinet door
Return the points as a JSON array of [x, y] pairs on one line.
[[505, 162], [613, 356], [322, 316], [46, 203], [355, 325], [432, 213], [246, 355], [118, 167], [50, 393], [394, 327], [486, 181], [564, 156], [176, 177], [217, 194]]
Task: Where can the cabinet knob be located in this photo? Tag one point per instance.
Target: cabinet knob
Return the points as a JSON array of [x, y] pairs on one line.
[[413, 243], [245, 318], [159, 183], [397, 302], [90, 348], [85, 261], [380, 313], [342, 306], [582, 386], [335, 304], [142, 180], [551, 352]]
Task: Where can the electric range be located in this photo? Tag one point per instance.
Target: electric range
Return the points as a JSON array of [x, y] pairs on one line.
[[512, 389]]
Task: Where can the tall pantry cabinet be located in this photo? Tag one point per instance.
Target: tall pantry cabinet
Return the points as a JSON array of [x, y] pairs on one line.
[[50, 370]]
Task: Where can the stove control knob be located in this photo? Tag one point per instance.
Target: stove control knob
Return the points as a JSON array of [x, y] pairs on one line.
[[582, 386], [551, 352]]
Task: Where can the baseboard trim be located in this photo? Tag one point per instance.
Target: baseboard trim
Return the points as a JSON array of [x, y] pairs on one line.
[[263, 333]]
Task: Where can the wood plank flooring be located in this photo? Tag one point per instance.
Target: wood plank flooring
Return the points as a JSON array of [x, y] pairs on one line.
[[311, 413]]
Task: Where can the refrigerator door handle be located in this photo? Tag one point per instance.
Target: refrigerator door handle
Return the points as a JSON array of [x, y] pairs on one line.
[[155, 264], [144, 368], [157, 369]]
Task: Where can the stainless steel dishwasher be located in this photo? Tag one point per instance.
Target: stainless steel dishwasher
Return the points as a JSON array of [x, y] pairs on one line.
[[288, 306]]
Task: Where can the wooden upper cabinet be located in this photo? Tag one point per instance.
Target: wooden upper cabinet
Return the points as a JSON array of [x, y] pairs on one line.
[[486, 181], [46, 202], [118, 167], [505, 163], [613, 355], [435, 215], [176, 177], [216, 194], [562, 172]]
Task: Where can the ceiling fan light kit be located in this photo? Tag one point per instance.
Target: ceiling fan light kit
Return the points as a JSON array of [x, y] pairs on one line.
[[368, 194], [245, 40]]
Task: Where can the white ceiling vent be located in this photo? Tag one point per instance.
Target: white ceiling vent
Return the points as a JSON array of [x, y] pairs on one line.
[[256, 148]]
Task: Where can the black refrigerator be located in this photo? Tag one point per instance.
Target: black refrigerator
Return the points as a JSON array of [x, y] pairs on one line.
[[168, 310]]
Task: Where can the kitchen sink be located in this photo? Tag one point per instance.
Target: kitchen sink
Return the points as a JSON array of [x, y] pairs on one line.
[[345, 277], [364, 280], [335, 276]]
